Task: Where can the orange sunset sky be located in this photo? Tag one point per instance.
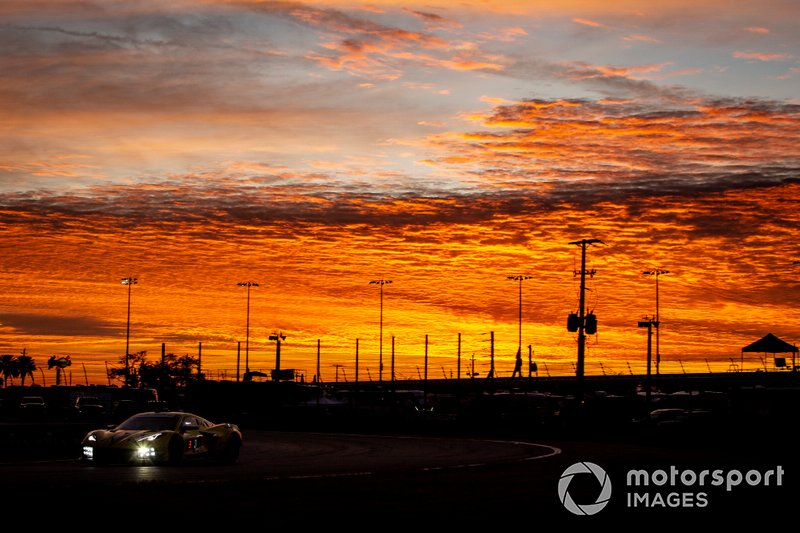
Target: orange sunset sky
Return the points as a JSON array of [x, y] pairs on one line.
[[313, 147]]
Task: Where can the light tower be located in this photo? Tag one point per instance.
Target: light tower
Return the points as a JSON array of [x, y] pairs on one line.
[[381, 282], [130, 281], [277, 337], [518, 363], [656, 272], [247, 284]]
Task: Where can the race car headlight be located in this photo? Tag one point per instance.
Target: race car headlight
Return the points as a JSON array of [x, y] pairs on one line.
[[149, 438], [92, 438], [88, 452], [145, 451]]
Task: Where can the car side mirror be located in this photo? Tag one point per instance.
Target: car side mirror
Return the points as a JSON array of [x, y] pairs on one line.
[[189, 428]]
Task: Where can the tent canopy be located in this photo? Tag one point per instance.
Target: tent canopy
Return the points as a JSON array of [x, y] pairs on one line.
[[769, 343]]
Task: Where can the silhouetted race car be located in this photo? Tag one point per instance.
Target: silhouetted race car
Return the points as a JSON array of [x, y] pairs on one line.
[[163, 438]]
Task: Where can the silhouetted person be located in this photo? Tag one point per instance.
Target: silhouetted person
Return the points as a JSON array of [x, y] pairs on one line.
[[518, 364]]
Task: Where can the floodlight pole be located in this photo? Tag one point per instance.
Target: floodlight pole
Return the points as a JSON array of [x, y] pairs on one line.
[[393, 375], [381, 283], [247, 284], [130, 281], [656, 272], [277, 337], [425, 381], [794, 366], [519, 278]]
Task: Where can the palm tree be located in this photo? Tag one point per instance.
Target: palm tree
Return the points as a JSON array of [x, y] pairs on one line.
[[59, 363], [8, 367], [26, 366]]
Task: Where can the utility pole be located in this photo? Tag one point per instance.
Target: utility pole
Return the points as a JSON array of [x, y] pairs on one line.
[[581, 319], [794, 354], [656, 272], [425, 381], [530, 361], [355, 385], [319, 378], [458, 360], [392, 363], [491, 355]]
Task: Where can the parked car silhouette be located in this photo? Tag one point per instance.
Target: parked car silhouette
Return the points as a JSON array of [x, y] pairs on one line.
[[90, 407], [32, 406]]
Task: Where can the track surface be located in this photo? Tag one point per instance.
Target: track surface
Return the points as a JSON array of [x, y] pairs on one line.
[[366, 482], [280, 455]]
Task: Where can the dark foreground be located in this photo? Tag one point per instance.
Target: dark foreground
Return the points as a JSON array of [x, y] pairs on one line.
[[730, 457], [298, 479]]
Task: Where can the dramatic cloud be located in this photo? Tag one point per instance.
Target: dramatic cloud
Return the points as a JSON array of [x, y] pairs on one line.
[[313, 147], [57, 326], [616, 147]]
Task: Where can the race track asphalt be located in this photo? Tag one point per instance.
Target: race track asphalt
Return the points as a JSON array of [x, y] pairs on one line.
[[365, 482]]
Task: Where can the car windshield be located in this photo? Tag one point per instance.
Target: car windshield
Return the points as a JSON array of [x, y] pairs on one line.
[[33, 399], [88, 400], [154, 423]]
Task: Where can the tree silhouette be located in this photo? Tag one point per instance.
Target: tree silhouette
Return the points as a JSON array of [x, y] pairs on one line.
[[9, 367], [26, 366], [172, 371], [59, 363], [134, 365], [183, 370]]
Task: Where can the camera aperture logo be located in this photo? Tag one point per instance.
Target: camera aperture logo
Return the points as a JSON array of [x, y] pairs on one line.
[[602, 498], [663, 488]]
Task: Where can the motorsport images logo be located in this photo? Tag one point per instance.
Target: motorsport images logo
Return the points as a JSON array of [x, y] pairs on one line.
[[589, 508], [663, 488]]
